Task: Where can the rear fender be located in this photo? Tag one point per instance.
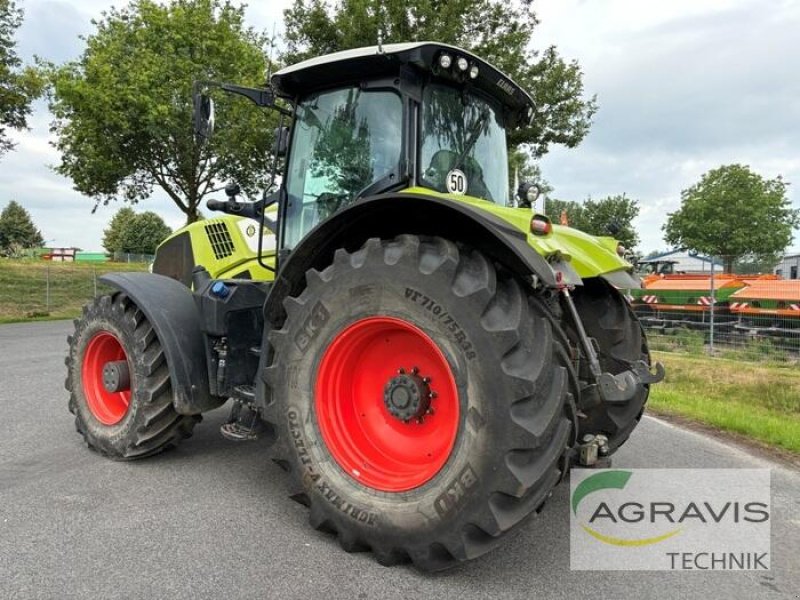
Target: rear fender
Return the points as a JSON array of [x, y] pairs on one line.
[[388, 215]]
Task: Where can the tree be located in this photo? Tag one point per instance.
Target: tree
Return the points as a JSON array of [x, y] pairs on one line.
[[18, 86], [731, 213], [134, 233], [757, 263], [498, 31], [612, 216], [112, 236], [17, 228], [522, 168], [144, 234], [123, 111]]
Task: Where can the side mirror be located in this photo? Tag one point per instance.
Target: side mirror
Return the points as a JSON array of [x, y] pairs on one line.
[[527, 193], [203, 117], [281, 146]]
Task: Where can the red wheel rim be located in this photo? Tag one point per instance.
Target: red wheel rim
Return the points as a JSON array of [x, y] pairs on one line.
[[372, 445], [107, 407]]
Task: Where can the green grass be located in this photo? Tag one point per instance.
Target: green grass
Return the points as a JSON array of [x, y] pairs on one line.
[[758, 401], [23, 287]]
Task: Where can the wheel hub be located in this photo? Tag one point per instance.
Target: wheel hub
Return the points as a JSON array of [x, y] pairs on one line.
[[116, 377], [407, 395]]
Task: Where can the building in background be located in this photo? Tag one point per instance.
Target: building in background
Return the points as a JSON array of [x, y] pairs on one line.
[[680, 261], [789, 267]]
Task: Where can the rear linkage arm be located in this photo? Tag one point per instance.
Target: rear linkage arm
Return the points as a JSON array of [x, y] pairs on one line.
[[592, 450], [614, 389]]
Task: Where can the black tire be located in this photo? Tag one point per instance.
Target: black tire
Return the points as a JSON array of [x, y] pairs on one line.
[[150, 424], [515, 386], [610, 320]]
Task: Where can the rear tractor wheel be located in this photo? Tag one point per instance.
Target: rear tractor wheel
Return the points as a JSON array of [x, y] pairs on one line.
[[422, 401], [119, 382], [610, 320]]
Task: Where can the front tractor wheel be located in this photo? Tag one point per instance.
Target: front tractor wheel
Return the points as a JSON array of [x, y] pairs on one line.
[[119, 382], [422, 400]]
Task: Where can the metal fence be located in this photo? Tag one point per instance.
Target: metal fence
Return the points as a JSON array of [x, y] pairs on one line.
[[74, 254], [751, 317], [128, 257], [39, 288], [747, 316]]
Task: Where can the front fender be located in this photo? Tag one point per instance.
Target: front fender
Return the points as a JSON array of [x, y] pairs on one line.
[[170, 308]]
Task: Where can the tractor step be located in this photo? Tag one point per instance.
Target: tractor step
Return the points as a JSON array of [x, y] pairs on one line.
[[245, 393], [244, 423]]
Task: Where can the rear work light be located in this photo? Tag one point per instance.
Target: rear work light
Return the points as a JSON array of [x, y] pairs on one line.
[[541, 225]]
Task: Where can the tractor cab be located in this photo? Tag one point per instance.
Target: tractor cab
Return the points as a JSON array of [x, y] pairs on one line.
[[385, 118]]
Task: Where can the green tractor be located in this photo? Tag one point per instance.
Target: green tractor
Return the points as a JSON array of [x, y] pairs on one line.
[[426, 356]]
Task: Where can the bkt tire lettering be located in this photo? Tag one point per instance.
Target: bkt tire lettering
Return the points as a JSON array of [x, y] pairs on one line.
[[439, 312], [311, 326]]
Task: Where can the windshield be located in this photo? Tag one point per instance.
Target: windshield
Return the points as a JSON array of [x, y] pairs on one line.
[[344, 140], [463, 147]]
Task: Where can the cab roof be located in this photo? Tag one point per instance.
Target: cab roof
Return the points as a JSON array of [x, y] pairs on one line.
[[350, 66]]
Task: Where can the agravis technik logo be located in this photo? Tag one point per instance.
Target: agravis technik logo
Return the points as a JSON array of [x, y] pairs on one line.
[[716, 519]]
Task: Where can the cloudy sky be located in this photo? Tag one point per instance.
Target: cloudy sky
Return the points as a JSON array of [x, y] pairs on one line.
[[683, 86]]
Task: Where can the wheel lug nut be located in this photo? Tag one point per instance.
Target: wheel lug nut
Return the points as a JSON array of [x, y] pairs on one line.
[[415, 370], [401, 371], [426, 380]]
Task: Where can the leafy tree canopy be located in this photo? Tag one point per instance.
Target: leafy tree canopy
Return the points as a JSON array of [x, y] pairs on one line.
[[17, 228], [146, 232], [123, 111], [135, 233], [500, 32], [112, 235], [612, 216], [757, 263], [18, 85], [733, 213]]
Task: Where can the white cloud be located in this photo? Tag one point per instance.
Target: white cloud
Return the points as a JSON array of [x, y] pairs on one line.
[[683, 87]]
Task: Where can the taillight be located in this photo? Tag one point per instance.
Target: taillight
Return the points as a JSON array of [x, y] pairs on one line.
[[541, 225]]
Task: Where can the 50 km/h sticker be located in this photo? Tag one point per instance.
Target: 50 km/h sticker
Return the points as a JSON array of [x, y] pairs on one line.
[[456, 182]]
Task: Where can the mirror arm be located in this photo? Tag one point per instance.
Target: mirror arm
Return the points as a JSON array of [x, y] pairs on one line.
[[259, 96], [249, 210]]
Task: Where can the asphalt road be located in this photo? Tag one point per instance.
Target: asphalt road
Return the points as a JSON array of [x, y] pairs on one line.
[[211, 519]]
